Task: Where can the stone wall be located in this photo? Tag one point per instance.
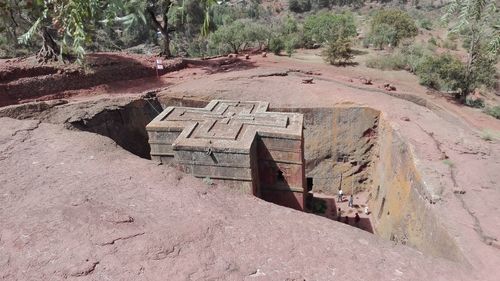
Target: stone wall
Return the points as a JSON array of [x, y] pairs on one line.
[[380, 163], [338, 146], [399, 209]]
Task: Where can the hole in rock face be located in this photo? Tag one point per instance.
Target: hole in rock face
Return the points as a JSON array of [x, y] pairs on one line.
[[280, 177], [346, 147]]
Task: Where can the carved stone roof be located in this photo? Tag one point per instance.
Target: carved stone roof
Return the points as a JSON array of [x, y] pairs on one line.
[[225, 125]]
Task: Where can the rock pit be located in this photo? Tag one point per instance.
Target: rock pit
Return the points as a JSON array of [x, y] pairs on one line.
[[352, 141]]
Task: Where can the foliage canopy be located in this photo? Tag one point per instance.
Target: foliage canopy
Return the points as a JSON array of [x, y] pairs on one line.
[[328, 27], [391, 26]]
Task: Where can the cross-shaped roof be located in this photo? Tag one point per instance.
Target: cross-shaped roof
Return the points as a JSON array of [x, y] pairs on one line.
[[225, 125]]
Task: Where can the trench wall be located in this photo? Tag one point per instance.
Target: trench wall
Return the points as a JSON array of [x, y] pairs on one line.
[[126, 125], [338, 145], [399, 209], [358, 143]]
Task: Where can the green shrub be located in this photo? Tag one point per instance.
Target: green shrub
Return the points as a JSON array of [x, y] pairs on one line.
[[238, 35], [402, 24], [382, 35], [432, 41], [413, 55], [276, 45], [290, 44], [493, 111], [326, 26], [425, 24], [451, 45], [284, 35], [394, 61], [476, 103], [338, 52], [441, 72], [486, 135]]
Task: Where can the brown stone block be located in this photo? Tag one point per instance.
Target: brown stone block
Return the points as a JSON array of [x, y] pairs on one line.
[[213, 158], [162, 136], [161, 149], [216, 172], [281, 156], [281, 144]]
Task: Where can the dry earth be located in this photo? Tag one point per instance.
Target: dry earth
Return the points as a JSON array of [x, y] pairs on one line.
[[76, 205]]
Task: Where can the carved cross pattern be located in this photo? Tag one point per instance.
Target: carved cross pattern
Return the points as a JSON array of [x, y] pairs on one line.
[[225, 124]]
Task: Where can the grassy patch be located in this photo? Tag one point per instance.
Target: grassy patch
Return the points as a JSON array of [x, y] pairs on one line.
[[489, 135], [394, 61], [493, 111], [449, 163]]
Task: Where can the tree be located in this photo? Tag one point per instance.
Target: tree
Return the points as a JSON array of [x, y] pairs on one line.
[[159, 16], [237, 35], [402, 25], [441, 72], [66, 28], [478, 24], [284, 35], [157, 12], [70, 20], [338, 52], [326, 26], [382, 35]]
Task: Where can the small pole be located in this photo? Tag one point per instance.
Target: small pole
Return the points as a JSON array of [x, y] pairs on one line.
[[158, 67]]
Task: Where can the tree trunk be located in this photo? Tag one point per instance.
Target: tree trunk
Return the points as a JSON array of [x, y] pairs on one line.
[[50, 49], [469, 68], [162, 28], [166, 44]]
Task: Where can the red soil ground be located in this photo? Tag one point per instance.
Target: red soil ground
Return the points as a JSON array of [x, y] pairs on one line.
[[424, 119]]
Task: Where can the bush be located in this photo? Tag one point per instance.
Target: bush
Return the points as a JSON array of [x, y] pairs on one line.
[[382, 35], [284, 36], [238, 35], [276, 45], [476, 103], [407, 57], [394, 61], [299, 6], [413, 56], [402, 24], [338, 52], [493, 111], [326, 26], [290, 44], [432, 41], [451, 45], [425, 24], [442, 72]]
